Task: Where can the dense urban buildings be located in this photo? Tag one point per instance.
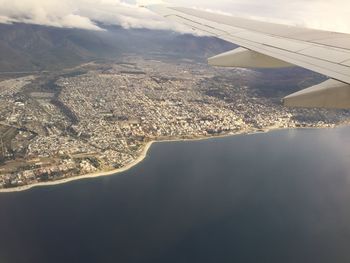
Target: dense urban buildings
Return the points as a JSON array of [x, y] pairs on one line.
[[99, 117]]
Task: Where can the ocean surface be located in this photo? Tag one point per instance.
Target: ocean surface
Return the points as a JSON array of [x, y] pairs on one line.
[[279, 197]]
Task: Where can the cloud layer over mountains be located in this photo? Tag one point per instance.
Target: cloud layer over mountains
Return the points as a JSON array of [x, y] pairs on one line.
[[323, 14], [78, 13]]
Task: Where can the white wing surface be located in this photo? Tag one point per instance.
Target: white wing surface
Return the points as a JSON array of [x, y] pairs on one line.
[[268, 45]]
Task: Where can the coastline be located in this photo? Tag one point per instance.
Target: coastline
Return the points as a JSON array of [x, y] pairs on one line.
[[142, 156]]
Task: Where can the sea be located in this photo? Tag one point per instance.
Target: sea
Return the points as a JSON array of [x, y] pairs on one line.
[[276, 197]]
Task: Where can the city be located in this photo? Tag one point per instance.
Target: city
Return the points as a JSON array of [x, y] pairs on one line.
[[100, 117]]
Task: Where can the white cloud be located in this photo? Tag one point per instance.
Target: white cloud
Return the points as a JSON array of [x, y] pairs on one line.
[[51, 13], [78, 13], [5, 20], [128, 15], [323, 14]]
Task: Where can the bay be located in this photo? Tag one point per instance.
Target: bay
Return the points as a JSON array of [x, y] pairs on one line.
[[283, 196]]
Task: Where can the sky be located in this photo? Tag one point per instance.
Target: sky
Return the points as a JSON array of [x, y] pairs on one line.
[[331, 15]]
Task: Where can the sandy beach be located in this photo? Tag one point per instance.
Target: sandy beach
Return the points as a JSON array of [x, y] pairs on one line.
[[81, 177]]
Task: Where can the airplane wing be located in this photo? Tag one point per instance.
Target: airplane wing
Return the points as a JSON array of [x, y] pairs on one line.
[[269, 45]]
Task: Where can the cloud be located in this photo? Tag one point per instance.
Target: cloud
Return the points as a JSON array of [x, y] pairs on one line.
[[51, 13], [128, 15], [322, 14], [5, 20], [79, 13]]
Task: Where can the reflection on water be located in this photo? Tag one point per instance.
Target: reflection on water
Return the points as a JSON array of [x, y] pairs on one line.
[[277, 197]]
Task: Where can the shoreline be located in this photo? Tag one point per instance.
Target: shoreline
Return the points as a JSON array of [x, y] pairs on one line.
[[141, 158]]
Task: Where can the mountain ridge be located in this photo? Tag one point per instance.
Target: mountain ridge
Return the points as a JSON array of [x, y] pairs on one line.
[[25, 47]]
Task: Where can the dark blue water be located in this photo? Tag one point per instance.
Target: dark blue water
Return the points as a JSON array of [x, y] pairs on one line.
[[277, 197]]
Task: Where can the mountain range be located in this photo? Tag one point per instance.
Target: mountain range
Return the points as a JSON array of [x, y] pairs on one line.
[[25, 47]]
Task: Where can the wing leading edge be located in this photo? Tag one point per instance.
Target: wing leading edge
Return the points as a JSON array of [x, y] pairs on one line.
[[268, 45]]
